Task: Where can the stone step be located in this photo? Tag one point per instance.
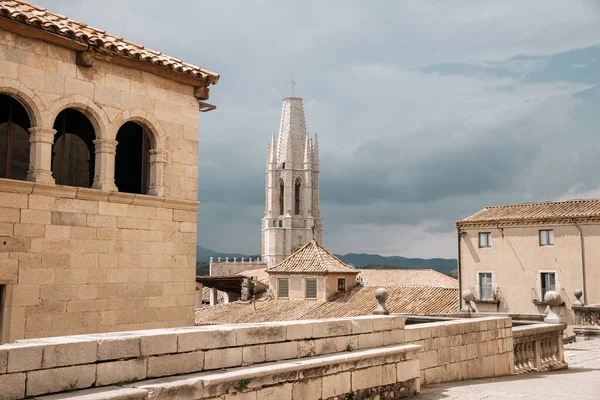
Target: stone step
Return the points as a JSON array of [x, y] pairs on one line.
[[349, 371]]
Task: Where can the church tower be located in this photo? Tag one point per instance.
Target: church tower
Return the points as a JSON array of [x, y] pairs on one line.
[[292, 216]]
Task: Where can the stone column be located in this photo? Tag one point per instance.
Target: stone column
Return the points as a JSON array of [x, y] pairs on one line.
[[40, 155], [158, 159], [104, 171], [198, 299], [213, 296]]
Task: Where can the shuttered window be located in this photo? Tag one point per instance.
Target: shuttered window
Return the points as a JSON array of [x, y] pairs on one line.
[[284, 288], [311, 288], [485, 285]]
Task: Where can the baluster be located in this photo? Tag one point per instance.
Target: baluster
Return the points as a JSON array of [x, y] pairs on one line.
[[517, 357], [531, 356]]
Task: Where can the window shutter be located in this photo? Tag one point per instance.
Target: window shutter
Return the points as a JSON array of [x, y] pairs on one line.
[[551, 237], [284, 288], [311, 288]]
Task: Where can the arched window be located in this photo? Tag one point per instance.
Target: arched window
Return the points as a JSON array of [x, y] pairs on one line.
[[281, 196], [132, 162], [297, 187], [73, 153], [14, 139]]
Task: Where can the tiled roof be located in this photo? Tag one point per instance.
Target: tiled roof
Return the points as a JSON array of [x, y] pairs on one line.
[[356, 302], [30, 14], [206, 294], [406, 277], [312, 258], [552, 211]]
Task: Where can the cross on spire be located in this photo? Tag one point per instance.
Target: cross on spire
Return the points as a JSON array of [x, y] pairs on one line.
[[293, 83]]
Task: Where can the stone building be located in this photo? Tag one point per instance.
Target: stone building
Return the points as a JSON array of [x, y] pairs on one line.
[[292, 216], [98, 179], [511, 255], [311, 273]]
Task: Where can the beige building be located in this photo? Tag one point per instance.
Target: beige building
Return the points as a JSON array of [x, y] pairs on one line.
[[98, 179], [511, 255], [311, 273]]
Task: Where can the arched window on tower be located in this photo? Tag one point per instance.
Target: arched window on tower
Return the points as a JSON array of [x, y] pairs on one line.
[[281, 197], [73, 152], [132, 162], [14, 139], [297, 187]]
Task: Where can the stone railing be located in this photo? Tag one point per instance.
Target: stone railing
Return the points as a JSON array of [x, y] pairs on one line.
[[538, 348], [587, 321]]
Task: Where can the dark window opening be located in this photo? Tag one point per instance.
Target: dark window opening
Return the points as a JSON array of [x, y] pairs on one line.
[[280, 223], [14, 139], [73, 153], [548, 282], [132, 162], [297, 198], [281, 196], [341, 284]]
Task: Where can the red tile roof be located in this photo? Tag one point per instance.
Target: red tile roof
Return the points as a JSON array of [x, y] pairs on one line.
[[40, 18], [547, 212], [356, 302], [312, 258], [406, 277]]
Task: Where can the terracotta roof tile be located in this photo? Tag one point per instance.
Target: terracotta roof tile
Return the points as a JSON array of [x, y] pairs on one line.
[[356, 302], [552, 211], [406, 277], [30, 14], [312, 258]]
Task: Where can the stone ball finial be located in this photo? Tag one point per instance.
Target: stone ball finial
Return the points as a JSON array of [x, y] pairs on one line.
[[578, 293], [381, 295], [552, 298], [468, 295], [211, 259], [219, 259]]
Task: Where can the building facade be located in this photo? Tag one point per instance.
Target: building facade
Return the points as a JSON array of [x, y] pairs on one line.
[[510, 256], [98, 179], [292, 216]]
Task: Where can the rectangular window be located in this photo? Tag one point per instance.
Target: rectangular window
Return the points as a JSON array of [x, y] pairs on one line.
[[546, 237], [284, 287], [485, 286], [548, 282], [485, 239], [311, 288], [341, 284]]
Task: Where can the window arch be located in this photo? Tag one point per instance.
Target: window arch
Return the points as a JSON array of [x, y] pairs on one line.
[[73, 152], [281, 196], [297, 190], [14, 139], [132, 161]]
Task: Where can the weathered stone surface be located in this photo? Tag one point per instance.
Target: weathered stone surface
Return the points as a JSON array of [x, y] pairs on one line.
[[175, 364], [120, 371], [223, 358], [12, 386], [60, 379]]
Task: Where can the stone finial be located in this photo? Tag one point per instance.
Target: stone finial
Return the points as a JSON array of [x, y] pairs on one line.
[[578, 293], [381, 295], [242, 259], [219, 259], [226, 259], [258, 259], [554, 300], [468, 297], [234, 259], [211, 259]]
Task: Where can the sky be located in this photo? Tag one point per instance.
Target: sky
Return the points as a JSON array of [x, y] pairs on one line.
[[426, 111]]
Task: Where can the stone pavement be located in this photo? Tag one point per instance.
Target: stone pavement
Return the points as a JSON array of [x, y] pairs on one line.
[[580, 382]]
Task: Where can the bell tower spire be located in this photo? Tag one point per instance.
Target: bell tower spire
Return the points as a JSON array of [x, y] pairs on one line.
[[292, 187]]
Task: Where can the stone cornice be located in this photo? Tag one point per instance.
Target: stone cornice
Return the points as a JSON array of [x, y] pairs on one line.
[[14, 186], [525, 223]]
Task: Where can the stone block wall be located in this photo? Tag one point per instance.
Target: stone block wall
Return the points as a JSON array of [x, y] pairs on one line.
[[76, 260], [463, 349], [46, 79]]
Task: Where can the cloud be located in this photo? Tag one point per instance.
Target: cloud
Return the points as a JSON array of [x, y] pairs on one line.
[[426, 111]]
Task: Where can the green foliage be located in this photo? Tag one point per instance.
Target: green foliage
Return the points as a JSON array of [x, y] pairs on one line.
[[243, 384]]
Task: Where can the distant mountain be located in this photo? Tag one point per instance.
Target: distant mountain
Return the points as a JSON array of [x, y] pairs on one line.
[[371, 261], [367, 261]]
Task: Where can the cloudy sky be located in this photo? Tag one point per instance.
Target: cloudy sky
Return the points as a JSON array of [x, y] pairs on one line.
[[426, 110]]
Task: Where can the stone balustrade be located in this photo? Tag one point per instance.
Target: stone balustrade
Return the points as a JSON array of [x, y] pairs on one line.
[[587, 321], [538, 348]]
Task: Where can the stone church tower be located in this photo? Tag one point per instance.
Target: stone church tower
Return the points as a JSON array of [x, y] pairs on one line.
[[292, 187]]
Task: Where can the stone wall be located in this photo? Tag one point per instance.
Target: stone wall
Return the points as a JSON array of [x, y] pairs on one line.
[[39, 366], [46, 79], [229, 268], [77, 260], [463, 349]]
